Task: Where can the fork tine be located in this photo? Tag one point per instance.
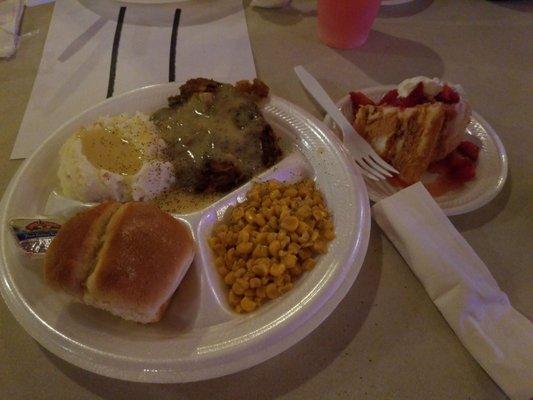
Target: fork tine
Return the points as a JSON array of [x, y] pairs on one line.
[[363, 172], [377, 159], [373, 164], [369, 172]]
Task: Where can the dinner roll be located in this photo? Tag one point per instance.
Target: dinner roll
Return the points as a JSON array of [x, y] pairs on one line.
[[131, 259]]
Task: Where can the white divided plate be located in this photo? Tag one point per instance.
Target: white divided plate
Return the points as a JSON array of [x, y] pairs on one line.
[[491, 170], [199, 336]]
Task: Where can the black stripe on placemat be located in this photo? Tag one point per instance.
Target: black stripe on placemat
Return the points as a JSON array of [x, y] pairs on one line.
[[114, 52], [173, 41]]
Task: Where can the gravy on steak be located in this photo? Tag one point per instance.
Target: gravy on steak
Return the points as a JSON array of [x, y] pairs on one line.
[[217, 135]]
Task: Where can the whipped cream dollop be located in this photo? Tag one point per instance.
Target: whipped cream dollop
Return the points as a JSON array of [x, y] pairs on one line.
[[432, 87]]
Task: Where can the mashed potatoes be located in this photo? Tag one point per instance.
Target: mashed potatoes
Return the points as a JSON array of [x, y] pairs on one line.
[[121, 158]]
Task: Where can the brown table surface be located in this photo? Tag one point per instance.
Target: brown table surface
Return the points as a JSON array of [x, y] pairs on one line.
[[386, 339]]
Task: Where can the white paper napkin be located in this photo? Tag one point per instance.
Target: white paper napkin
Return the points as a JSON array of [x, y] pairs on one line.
[[10, 15], [462, 288], [100, 48]]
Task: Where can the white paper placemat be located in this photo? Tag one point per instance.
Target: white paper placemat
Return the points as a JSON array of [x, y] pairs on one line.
[[98, 48]]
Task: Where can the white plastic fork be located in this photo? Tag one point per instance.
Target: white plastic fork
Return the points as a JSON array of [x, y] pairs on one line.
[[368, 161]]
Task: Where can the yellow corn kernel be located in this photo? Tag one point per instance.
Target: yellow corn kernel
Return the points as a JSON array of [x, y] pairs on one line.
[[271, 236], [318, 214], [213, 242], [293, 248], [277, 269], [237, 214], [275, 194], [290, 223], [230, 256], [303, 212], [240, 272], [304, 254], [248, 275], [222, 271], [253, 195], [302, 227], [273, 222], [308, 264], [314, 235], [285, 288], [319, 246], [248, 304], [261, 237], [260, 292], [244, 248], [304, 237], [279, 281], [274, 247], [238, 287], [329, 234], [230, 278], [260, 269], [289, 260], [243, 281], [260, 251], [249, 216], [272, 291], [295, 271], [249, 292], [255, 283], [244, 236], [273, 184], [233, 298], [219, 262], [259, 219]]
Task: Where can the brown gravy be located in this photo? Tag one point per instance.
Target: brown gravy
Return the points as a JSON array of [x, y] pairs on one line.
[[224, 125]]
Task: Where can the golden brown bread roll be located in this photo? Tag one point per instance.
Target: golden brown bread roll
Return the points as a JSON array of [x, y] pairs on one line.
[[71, 255], [126, 259]]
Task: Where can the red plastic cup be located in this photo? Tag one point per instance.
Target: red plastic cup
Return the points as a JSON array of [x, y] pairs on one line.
[[345, 24]]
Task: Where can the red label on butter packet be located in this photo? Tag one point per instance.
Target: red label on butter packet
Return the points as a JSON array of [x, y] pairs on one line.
[[34, 235]]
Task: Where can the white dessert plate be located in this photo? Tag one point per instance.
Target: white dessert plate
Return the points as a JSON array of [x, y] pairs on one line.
[[491, 170], [200, 337]]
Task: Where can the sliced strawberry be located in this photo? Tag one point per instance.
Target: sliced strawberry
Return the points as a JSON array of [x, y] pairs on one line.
[[440, 167], [448, 95], [469, 149], [466, 172], [360, 99], [414, 98], [390, 98], [455, 160]]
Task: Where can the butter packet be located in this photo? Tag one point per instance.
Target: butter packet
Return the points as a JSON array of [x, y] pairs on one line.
[[34, 235]]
